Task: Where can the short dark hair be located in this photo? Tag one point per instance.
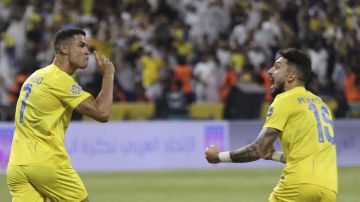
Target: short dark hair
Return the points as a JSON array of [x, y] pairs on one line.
[[65, 34], [299, 60]]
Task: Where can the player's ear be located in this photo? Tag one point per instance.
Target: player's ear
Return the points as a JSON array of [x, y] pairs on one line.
[[291, 77], [64, 49]]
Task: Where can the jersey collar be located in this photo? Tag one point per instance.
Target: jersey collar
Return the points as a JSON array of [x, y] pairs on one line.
[[295, 89]]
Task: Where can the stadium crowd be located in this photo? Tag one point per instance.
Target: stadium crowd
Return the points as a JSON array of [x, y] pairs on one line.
[[177, 52]]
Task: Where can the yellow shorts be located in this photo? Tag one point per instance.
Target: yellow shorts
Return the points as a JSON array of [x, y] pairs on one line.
[[302, 193], [33, 183]]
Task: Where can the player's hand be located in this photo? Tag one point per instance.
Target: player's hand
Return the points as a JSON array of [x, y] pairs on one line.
[[105, 66], [212, 154], [268, 155]]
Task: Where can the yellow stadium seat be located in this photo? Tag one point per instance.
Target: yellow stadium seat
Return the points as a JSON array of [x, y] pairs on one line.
[[207, 111], [131, 111]]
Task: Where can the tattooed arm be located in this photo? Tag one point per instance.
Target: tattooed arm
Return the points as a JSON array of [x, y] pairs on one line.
[[258, 148], [251, 152], [274, 155]]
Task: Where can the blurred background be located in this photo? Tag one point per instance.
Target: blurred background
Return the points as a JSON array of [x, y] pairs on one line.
[[189, 73]]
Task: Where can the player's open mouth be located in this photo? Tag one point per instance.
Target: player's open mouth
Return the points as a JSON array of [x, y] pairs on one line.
[[272, 81]]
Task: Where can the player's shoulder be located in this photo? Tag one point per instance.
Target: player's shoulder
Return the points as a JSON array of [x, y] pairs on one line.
[[52, 78], [46, 72], [284, 97], [54, 75], [36, 77], [290, 97]]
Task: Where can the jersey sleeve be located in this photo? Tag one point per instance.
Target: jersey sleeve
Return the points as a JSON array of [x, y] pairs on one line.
[[68, 91], [277, 115]]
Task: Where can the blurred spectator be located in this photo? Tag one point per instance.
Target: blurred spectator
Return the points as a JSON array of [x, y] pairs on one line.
[[4, 103], [7, 56], [172, 104], [267, 35], [150, 66], [256, 56], [206, 80], [339, 74], [319, 58], [352, 86], [238, 58], [223, 53], [126, 82], [20, 14], [239, 35], [183, 79], [176, 102], [245, 98], [229, 79]]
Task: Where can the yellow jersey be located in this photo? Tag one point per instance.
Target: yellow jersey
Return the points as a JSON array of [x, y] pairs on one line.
[[150, 69], [43, 112], [307, 138]]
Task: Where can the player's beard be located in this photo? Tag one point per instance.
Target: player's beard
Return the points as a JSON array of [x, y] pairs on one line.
[[277, 90]]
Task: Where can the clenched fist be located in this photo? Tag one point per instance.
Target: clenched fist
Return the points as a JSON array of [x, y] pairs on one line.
[[212, 154]]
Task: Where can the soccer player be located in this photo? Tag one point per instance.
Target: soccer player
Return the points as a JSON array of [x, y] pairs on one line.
[[39, 166], [304, 125]]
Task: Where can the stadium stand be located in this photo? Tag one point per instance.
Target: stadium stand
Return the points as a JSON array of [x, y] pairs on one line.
[[145, 39]]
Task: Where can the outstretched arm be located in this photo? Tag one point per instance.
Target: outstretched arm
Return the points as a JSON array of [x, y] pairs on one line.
[[251, 152]]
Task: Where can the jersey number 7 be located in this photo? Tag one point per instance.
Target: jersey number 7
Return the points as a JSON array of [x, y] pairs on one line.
[[27, 88]]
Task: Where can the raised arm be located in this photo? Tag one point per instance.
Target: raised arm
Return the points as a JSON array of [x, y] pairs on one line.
[[251, 152], [100, 108]]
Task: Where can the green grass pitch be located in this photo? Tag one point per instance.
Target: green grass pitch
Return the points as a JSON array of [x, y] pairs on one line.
[[214, 185]]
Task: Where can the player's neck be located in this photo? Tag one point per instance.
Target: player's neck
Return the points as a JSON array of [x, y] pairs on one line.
[[63, 65], [292, 85]]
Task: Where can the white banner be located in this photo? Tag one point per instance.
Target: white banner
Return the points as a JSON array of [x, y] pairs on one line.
[[148, 145], [118, 146]]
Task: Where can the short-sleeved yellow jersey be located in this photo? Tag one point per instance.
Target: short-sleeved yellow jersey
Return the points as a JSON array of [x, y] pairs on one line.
[[43, 112], [307, 138]]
